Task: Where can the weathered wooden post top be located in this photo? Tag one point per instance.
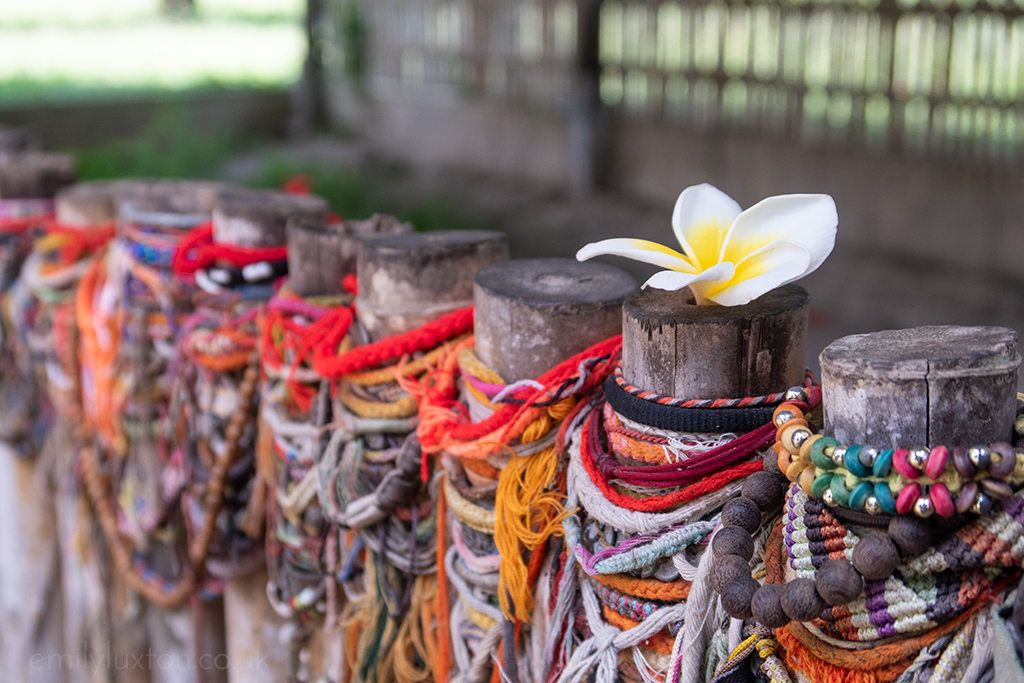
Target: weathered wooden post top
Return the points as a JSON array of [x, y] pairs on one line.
[[322, 253], [406, 280], [258, 218], [530, 315], [673, 347], [924, 386]]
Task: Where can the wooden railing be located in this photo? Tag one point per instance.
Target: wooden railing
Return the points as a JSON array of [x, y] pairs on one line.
[[939, 78]]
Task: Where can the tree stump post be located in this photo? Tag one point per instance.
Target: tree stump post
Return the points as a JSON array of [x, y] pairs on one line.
[[530, 315], [320, 255], [921, 387], [29, 535], [189, 635], [87, 627], [255, 652], [406, 280], [675, 348]]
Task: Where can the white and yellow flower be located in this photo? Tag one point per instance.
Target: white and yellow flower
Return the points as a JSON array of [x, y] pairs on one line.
[[731, 257]]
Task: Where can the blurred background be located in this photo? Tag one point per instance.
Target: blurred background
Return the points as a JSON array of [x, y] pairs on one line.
[[567, 121]]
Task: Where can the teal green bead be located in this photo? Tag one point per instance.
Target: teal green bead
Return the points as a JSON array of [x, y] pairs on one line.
[[883, 463], [884, 496], [818, 457], [851, 461], [840, 493], [859, 495], [821, 482]]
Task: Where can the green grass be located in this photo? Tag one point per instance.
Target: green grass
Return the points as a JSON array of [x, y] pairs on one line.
[[170, 147], [52, 50], [358, 195]]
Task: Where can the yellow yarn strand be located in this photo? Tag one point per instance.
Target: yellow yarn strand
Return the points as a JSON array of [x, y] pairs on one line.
[[528, 512]]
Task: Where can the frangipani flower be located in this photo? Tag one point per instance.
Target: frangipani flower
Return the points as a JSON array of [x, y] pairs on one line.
[[731, 257]]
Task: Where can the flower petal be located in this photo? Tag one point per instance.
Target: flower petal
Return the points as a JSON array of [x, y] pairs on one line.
[[671, 280], [638, 250], [701, 219], [769, 267], [807, 219]]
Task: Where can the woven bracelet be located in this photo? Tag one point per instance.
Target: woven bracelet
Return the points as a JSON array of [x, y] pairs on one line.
[[689, 420]]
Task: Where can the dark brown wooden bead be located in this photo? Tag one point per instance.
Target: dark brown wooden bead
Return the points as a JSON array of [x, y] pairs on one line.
[[801, 601], [725, 569], [765, 490], [964, 467], [766, 606], [999, 490], [743, 513], [1004, 460], [736, 597], [911, 534], [771, 464], [876, 557], [838, 583], [731, 540]]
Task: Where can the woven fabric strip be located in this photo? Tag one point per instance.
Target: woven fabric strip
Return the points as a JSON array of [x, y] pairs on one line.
[[700, 420], [925, 591]]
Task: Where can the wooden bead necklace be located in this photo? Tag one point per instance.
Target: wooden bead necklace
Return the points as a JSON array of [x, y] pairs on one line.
[[942, 480], [876, 556]]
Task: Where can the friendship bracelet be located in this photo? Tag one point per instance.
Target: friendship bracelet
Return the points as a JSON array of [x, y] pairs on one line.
[[895, 481], [768, 399], [671, 418]]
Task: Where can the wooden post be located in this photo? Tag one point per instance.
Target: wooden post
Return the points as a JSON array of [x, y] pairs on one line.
[[925, 386], [185, 639], [256, 654], [84, 564], [408, 279], [530, 315], [16, 139], [30, 581], [673, 347], [34, 175], [257, 218], [587, 126], [320, 255]]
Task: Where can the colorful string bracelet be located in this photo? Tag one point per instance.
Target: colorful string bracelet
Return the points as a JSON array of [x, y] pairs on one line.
[[724, 418], [941, 480]]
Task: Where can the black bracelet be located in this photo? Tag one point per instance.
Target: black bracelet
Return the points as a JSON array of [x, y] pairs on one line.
[[690, 420]]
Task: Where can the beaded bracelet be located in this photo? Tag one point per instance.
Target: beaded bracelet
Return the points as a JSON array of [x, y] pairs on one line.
[[941, 480], [837, 582]]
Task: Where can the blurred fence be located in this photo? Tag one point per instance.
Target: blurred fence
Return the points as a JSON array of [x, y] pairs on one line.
[[941, 77]]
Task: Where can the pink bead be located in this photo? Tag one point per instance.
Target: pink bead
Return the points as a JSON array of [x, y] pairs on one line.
[[899, 461], [936, 465], [909, 494], [942, 500], [813, 395]]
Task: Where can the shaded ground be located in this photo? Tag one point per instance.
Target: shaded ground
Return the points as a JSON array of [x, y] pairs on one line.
[[854, 292]]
